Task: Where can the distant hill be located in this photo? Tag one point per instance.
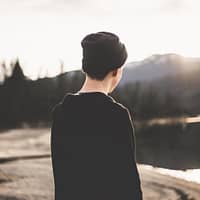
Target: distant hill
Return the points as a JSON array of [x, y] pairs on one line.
[[159, 66], [169, 76], [159, 86]]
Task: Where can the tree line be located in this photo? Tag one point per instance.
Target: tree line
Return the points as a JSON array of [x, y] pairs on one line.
[[25, 101]]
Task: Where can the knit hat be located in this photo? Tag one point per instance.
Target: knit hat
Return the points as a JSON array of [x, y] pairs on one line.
[[102, 51]]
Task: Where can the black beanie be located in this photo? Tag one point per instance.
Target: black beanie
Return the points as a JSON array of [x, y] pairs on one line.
[[102, 52]]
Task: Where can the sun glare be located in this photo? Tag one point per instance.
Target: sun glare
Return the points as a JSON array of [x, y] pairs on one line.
[[45, 40]]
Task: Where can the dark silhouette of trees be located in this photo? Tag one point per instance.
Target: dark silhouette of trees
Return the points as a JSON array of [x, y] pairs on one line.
[[17, 74], [26, 101], [13, 94]]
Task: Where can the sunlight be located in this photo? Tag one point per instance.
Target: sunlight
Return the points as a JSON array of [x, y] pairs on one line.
[[193, 119], [192, 175], [146, 28]]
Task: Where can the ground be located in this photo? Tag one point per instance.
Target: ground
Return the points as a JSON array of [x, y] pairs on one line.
[[26, 171]]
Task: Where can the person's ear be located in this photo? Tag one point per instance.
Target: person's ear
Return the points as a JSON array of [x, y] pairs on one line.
[[114, 72]]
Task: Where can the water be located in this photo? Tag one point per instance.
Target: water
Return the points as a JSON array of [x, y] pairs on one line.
[[171, 120], [171, 143]]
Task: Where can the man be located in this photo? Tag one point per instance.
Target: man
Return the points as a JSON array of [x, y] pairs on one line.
[[92, 136]]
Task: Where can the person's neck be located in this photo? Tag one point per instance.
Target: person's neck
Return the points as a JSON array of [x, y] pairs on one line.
[[94, 86]]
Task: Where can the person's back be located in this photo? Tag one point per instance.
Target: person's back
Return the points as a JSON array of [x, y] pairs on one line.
[[93, 149]]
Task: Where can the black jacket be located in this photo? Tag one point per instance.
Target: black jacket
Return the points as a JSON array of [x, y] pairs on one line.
[[93, 149]]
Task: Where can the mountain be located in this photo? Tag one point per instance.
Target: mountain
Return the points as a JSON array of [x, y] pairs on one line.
[[159, 66]]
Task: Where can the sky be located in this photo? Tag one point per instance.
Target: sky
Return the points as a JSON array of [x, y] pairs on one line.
[[45, 33]]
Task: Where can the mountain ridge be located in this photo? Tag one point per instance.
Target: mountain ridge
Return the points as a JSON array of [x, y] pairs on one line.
[[159, 66]]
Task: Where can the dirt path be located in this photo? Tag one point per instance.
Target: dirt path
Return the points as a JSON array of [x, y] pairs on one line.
[[26, 171]]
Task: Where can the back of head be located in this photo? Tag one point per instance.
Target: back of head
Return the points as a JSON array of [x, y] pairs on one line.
[[102, 53]]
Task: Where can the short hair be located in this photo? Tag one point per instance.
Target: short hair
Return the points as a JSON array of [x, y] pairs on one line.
[[102, 53]]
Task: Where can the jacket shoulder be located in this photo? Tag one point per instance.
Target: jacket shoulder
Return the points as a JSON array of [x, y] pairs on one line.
[[119, 106], [59, 106]]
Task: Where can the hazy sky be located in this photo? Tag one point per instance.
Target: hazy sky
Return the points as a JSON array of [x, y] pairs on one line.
[[43, 33]]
